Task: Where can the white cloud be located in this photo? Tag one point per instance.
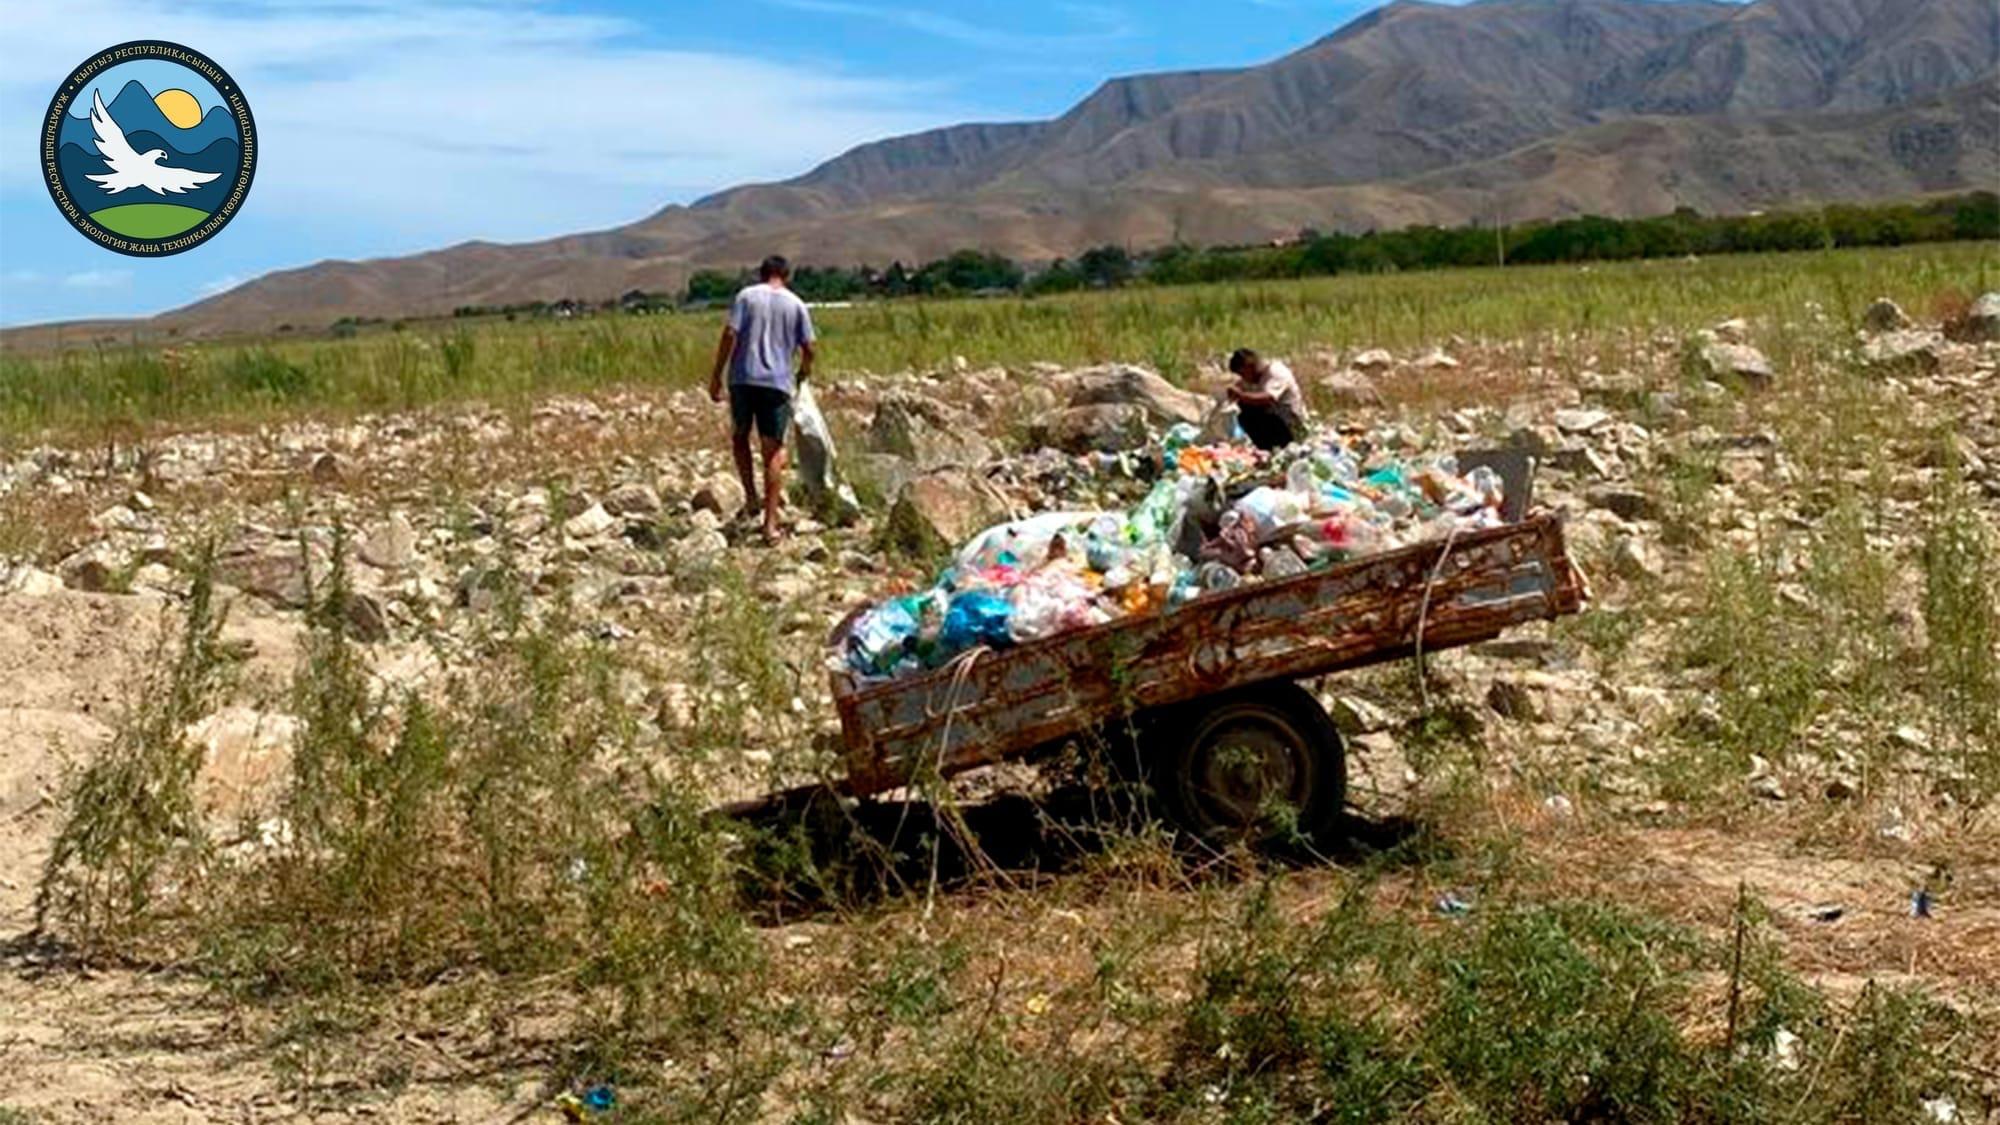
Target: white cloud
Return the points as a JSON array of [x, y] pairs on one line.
[[221, 284], [441, 120], [98, 279]]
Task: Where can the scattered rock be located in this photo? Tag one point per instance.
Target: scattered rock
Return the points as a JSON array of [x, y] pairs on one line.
[[1357, 716], [275, 573], [1581, 421], [632, 500], [1981, 324], [31, 582], [1625, 503], [118, 517], [1885, 315], [591, 523], [1763, 783], [390, 545], [1374, 361], [479, 589], [1350, 389], [1512, 699], [94, 569], [1904, 353], [721, 494], [367, 621], [327, 468], [1735, 330], [1633, 558], [938, 510], [1437, 359], [1722, 360]]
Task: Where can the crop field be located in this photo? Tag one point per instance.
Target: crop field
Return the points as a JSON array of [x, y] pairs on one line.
[[1571, 310], [347, 768]]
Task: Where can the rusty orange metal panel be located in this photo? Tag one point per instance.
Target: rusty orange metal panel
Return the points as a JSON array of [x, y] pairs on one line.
[[990, 706]]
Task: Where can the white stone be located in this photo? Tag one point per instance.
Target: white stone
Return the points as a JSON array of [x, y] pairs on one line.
[[591, 523]]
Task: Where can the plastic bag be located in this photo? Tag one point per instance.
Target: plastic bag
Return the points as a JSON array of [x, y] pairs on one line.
[[1273, 511], [976, 617], [1024, 542], [812, 443], [882, 637]]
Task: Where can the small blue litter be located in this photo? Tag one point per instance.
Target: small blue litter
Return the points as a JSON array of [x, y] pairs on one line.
[[1920, 903]]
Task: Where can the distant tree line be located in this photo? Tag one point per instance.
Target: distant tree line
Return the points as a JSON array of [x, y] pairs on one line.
[[1589, 238]]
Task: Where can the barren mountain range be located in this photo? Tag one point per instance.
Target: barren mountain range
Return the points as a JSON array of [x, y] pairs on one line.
[[1499, 110]]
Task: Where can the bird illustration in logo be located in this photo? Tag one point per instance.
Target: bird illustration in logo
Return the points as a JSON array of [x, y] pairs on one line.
[[131, 169]]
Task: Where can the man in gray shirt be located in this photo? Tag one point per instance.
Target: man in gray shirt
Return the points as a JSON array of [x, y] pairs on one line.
[[767, 323]]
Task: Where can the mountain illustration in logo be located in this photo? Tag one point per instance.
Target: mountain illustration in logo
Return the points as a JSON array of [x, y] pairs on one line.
[[148, 165]]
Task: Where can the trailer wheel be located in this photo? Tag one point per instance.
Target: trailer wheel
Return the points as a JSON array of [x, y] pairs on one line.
[[1261, 764]]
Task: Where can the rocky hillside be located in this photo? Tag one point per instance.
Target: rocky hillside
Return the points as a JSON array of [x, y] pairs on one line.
[[1505, 110]]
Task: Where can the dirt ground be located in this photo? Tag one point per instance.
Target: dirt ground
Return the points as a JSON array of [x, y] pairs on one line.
[[150, 1044]]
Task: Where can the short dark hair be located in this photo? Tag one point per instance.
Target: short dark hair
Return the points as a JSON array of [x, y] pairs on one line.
[[1242, 361], [774, 266]]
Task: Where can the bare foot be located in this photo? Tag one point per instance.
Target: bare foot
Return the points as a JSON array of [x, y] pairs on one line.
[[773, 535]]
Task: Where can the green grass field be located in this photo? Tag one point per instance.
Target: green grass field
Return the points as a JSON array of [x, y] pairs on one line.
[[1571, 313], [149, 220]]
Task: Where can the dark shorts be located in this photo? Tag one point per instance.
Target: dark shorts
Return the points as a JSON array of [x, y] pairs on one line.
[[768, 407], [1266, 428]]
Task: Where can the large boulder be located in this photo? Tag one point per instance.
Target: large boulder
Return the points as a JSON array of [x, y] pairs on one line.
[[1885, 315], [1981, 324], [1904, 353], [926, 432], [1161, 403], [1719, 359], [1102, 427], [1350, 389], [939, 510]]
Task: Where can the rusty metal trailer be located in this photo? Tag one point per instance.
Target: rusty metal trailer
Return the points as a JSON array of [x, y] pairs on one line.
[[1205, 695]]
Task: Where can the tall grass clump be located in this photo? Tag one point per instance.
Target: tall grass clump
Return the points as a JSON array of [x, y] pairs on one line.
[[1529, 1011], [497, 826], [1765, 674], [1962, 628], [133, 840]]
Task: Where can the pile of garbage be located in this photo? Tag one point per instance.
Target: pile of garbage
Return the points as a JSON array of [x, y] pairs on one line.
[[1218, 516]]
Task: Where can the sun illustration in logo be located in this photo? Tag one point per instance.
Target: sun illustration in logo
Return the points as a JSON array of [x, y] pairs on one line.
[[148, 148], [179, 107]]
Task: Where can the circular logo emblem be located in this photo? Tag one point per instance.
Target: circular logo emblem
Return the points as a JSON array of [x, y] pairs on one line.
[[148, 148]]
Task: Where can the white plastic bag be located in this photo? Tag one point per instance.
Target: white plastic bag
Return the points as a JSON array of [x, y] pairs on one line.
[[813, 450]]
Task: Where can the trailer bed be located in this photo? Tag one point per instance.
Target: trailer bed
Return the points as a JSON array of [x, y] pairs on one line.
[[994, 705]]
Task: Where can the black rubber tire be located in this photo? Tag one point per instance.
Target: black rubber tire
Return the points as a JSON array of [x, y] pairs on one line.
[[1263, 765]]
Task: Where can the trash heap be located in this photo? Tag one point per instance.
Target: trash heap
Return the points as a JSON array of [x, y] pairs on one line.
[[1218, 516]]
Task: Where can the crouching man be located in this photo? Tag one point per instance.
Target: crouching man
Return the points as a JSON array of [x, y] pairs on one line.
[[1269, 406]]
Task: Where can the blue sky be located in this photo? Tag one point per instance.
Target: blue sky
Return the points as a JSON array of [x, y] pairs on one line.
[[393, 127]]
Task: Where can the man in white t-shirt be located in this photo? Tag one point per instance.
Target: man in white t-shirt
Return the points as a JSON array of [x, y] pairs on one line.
[[767, 324], [1269, 405]]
